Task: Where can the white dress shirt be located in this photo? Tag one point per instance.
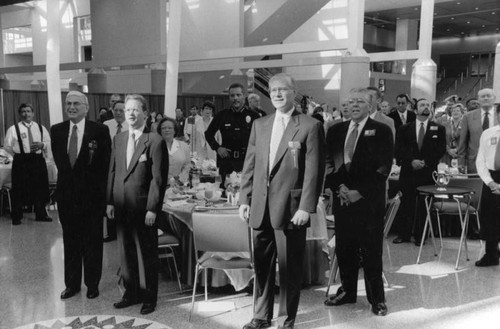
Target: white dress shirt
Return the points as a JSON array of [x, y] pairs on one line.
[[11, 143], [485, 160], [417, 126], [137, 132], [403, 116], [113, 127], [361, 125], [80, 129], [279, 119]]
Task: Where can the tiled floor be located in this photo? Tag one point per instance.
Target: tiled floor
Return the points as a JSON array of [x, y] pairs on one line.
[[429, 295]]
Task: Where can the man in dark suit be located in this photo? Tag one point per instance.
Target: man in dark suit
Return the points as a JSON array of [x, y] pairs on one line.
[[359, 159], [402, 116], [137, 180], [81, 150], [419, 146], [281, 183]]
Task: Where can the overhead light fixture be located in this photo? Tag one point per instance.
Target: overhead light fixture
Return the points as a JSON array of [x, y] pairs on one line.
[[397, 18], [416, 8], [462, 32], [483, 25], [452, 18], [447, 30], [493, 13], [459, 3], [468, 22]]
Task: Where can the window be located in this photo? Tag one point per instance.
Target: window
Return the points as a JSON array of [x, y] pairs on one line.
[[17, 40]]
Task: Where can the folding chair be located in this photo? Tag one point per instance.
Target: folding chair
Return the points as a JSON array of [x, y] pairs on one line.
[[166, 243]]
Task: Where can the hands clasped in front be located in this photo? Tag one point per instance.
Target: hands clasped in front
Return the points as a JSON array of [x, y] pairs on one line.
[[347, 196], [149, 219], [300, 217]]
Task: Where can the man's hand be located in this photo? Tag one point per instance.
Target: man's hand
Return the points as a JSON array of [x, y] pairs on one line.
[[494, 187], [110, 211], [417, 164], [244, 212], [342, 194], [300, 218], [223, 152], [353, 196], [150, 218], [452, 152], [35, 146]]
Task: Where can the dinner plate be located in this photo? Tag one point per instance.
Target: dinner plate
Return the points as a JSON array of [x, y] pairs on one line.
[[176, 198]]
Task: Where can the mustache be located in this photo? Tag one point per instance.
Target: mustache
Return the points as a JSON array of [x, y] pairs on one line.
[[426, 113]]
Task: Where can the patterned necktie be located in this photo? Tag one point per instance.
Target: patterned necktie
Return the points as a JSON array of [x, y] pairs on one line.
[[486, 121], [30, 137], [130, 148], [421, 134], [73, 146], [350, 145], [277, 134], [118, 128]]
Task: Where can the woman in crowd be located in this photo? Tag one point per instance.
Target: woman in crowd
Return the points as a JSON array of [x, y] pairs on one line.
[[157, 119], [453, 128], [179, 157], [201, 147]]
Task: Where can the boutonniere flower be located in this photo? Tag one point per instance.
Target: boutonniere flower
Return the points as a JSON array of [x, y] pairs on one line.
[[92, 148], [248, 119], [295, 146]]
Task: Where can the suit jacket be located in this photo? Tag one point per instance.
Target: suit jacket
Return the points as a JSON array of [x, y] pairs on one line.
[[370, 166], [472, 129], [381, 117], [84, 185], [141, 187], [410, 117], [433, 148], [296, 177]]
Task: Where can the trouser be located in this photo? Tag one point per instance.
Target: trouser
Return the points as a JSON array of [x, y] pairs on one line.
[[489, 215]]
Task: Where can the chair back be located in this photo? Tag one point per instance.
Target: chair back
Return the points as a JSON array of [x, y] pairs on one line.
[[318, 229], [390, 213], [475, 183], [220, 232]]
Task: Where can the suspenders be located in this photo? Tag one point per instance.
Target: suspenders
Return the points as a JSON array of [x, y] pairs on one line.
[[20, 141]]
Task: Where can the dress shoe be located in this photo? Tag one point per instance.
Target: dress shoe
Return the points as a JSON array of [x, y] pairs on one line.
[[379, 309], [69, 292], [399, 240], [43, 219], [147, 308], [92, 293], [340, 298], [288, 324], [16, 222], [124, 303], [257, 324], [488, 260]]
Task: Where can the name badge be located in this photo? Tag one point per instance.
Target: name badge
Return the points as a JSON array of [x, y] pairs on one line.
[[23, 135], [294, 145], [227, 125], [370, 132], [434, 128], [494, 141]]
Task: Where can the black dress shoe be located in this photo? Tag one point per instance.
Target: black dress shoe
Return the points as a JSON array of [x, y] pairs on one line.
[[257, 324], [125, 303], [92, 293], [69, 292], [379, 309], [340, 298], [147, 308], [16, 222], [43, 219], [288, 324], [488, 260], [399, 240]]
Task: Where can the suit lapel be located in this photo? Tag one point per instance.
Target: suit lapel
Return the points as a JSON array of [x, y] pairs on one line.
[[339, 154], [64, 144], [290, 131], [266, 141], [139, 149]]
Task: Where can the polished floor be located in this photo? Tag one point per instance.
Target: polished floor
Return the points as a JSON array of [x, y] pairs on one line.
[[429, 295]]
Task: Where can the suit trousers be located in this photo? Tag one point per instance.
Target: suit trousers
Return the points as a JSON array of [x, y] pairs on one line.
[[359, 238], [289, 247], [82, 239], [138, 250], [490, 210]]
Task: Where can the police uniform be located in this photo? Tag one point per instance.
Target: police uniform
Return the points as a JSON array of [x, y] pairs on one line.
[[30, 183], [234, 127]]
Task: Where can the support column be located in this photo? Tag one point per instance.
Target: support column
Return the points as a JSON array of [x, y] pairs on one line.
[[354, 74], [173, 48], [356, 24], [97, 81], [423, 78], [406, 39], [53, 61], [496, 73]]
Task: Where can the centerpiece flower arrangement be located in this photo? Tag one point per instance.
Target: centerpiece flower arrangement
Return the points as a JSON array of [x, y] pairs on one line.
[[233, 184]]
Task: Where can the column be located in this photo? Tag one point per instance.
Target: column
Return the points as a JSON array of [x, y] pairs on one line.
[[423, 78], [53, 61], [173, 47], [496, 73], [406, 39], [356, 24], [354, 74]]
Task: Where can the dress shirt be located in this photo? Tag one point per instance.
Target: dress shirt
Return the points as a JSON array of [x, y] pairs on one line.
[[280, 122], [137, 132], [491, 116], [485, 160], [80, 129], [11, 143], [417, 126], [361, 125], [113, 127], [403, 116]]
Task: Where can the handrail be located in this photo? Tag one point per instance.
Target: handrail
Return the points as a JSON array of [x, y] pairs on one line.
[[471, 90]]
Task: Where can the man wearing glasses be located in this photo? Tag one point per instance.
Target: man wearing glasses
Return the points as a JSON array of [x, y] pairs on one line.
[[402, 115], [359, 159]]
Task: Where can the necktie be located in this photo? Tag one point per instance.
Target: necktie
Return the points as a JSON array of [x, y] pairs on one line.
[[486, 121], [421, 134], [350, 145], [73, 146], [403, 118], [30, 137], [118, 128], [130, 148], [497, 157], [277, 134]]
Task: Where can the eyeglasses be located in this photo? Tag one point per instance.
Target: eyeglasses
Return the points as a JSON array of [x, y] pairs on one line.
[[358, 100], [401, 103], [280, 91]]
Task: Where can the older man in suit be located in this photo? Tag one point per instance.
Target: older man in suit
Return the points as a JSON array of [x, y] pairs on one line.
[[137, 179], [473, 124], [402, 116], [81, 150], [359, 159], [419, 146], [281, 182]]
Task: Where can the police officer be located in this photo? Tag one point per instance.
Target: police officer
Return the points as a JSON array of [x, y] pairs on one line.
[[28, 141], [234, 125]]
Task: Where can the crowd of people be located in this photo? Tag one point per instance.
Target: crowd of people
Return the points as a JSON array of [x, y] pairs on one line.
[[119, 170]]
